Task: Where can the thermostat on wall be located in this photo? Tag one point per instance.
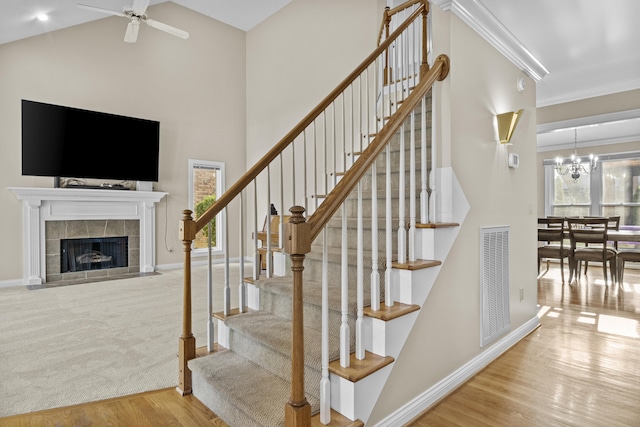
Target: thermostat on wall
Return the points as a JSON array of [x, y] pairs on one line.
[[514, 160]]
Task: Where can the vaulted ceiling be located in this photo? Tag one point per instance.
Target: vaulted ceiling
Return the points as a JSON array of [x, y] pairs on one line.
[[574, 49]]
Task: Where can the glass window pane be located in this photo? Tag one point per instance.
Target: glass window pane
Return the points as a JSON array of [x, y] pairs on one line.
[[569, 192], [621, 181], [204, 194], [569, 211], [629, 215]]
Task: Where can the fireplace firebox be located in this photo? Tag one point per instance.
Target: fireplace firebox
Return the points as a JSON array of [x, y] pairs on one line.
[[94, 253]]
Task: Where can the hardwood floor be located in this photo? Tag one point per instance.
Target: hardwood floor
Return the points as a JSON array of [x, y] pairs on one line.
[[581, 368]]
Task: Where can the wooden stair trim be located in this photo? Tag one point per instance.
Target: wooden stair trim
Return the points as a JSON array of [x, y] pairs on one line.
[[437, 225], [416, 265], [234, 312], [359, 369], [273, 249], [385, 313], [337, 420], [203, 351]]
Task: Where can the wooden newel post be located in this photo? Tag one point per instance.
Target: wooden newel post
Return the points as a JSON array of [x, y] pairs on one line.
[[387, 24], [187, 343], [297, 243], [424, 67]]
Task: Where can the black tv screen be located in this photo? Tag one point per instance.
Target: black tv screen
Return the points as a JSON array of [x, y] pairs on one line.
[[70, 142]]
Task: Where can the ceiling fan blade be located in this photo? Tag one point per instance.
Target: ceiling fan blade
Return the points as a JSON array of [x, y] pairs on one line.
[[167, 28], [140, 6], [132, 31], [99, 9]]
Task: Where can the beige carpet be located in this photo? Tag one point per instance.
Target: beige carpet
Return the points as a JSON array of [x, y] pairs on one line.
[[73, 344]]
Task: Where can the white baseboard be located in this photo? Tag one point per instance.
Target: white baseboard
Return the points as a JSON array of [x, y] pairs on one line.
[[11, 283], [433, 395]]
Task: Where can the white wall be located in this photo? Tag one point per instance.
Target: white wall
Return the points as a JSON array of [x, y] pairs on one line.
[[294, 59], [194, 87], [481, 84]]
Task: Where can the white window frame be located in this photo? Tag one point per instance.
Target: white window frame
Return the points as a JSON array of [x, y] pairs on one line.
[[220, 188], [596, 182]]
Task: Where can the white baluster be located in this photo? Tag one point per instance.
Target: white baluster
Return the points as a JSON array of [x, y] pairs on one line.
[[402, 231], [315, 167], [281, 225], [227, 287], [304, 171], [375, 274], [256, 257], [412, 189], [269, 253], [325, 385], [210, 328], [360, 282], [424, 195], [388, 295], [345, 330], [242, 301]]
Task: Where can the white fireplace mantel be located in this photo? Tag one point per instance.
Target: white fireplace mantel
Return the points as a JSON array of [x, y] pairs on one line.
[[59, 204]]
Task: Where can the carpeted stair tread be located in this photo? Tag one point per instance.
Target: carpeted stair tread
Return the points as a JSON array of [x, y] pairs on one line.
[[241, 392], [274, 332]]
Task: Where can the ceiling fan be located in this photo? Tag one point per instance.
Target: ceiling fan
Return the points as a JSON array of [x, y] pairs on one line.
[[137, 13]]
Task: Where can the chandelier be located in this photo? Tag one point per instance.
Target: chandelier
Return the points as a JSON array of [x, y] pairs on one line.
[[576, 167]]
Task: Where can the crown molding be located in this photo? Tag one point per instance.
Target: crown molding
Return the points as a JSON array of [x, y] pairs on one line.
[[481, 20]]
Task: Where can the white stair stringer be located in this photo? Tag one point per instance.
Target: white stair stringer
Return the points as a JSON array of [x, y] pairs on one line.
[[356, 400]]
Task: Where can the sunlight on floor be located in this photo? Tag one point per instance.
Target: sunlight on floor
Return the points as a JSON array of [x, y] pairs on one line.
[[618, 326], [588, 318], [606, 324]]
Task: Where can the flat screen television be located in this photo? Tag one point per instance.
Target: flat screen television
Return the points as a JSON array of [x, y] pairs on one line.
[[67, 142]]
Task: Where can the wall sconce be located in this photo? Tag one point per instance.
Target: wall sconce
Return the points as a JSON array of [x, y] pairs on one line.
[[507, 124]]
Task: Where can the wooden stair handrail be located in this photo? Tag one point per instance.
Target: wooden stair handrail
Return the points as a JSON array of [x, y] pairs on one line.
[[341, 191], [272, 154], [388, 14]]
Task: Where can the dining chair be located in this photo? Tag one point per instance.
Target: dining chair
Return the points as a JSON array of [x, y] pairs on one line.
[[588, 238], [551, 234], [626, 255], [613, 223]]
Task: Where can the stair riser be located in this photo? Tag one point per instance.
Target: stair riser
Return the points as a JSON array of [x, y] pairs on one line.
[[280, 305]]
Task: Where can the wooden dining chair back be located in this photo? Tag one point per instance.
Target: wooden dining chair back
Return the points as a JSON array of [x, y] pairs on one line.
[[588, 238], [613, 223], [551, 237]]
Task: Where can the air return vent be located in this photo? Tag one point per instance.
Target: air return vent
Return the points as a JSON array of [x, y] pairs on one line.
[[494, 283]]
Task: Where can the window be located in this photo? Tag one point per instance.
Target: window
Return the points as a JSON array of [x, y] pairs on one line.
[[206, 184], [612, 190]]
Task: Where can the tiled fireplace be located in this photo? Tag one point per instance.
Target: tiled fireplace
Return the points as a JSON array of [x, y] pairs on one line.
[[62, 236], [52, 214]]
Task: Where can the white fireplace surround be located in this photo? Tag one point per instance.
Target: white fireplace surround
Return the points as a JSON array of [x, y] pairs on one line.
[[60, 204]]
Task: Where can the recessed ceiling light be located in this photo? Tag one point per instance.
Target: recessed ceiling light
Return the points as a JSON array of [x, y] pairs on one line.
[[43, 17]]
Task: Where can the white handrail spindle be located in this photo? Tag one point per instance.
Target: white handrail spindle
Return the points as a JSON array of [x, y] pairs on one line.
[[242, 296], [227, 286], [345, 330], [281, 225], [210, 326], [402, 231], [360, 282], [269, 253], [424, 195], [256, 256], [325, 385], [388, 296], [412, 189]]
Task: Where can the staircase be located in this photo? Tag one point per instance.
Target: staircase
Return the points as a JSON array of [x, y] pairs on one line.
[[321, 339]]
